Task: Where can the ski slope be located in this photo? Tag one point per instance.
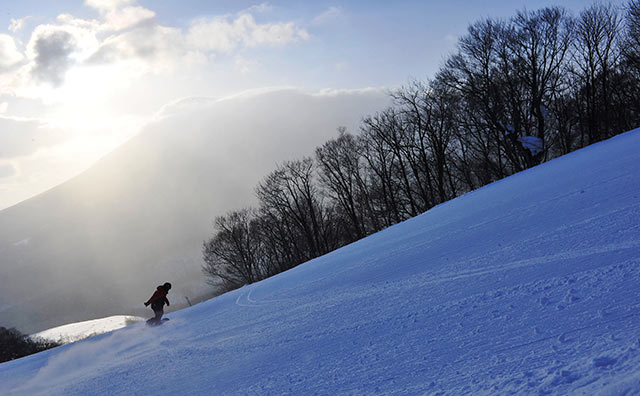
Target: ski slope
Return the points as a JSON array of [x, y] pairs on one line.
[[529, 286]]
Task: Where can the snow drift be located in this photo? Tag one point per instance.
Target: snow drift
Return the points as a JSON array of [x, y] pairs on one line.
[[527, 286]]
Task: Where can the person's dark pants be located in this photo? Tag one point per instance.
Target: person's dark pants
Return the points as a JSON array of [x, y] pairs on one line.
[[158, 311]]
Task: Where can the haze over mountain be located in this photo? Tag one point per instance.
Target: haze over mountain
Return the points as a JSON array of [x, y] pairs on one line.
[[98, 244]]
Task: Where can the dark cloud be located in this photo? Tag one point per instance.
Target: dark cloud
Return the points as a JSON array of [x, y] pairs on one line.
[[52, 56]]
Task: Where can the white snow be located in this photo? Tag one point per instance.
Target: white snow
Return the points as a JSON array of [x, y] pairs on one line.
[[529, 286], [77, 331], [532, 143]]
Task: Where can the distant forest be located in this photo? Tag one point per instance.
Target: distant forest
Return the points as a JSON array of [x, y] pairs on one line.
[[515, 93], [14, 345]]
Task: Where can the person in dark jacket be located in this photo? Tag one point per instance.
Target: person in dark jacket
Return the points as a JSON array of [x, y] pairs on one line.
[[157, 302]]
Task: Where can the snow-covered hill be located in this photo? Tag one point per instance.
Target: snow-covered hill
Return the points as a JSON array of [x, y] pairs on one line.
[[89, 328], [529, 286]]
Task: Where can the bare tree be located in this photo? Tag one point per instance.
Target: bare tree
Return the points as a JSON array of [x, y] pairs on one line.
[[344, 180], [427, 112], [233, 255], [539, 42], [632, 45], [289, 195], [596, 57], [385, 144], [475, 74], [632, 59]]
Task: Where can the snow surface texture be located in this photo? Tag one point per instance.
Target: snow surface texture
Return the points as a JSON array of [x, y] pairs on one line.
[[529, 286], [77, 331]]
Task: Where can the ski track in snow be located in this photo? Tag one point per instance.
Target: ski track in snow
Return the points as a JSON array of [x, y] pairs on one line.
[[529, 286]]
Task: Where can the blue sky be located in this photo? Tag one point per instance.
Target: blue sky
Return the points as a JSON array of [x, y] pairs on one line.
[[359, 43], [79, 77]]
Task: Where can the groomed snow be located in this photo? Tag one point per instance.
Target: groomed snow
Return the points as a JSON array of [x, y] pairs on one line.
[[529, 286]]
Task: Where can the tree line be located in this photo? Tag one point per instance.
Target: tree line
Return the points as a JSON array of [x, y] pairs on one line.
[[14, 345], [515, 93]]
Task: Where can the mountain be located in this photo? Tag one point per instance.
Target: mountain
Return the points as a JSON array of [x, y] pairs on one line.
[[99, 244], [528, 286]]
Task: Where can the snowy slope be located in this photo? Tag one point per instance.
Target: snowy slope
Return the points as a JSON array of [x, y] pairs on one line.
[[77, 331], [528, 286]]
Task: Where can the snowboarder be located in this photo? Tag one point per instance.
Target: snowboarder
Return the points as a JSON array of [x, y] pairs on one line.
[[157, 302]]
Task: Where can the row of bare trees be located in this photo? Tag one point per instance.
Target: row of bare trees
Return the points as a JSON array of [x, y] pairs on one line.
[[516, 93]]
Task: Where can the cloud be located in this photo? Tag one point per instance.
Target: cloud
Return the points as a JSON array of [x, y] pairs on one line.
[[127, 17], [262, 7], [244, 65], [22, 137], [17, 24], [342, 66], [7, 170], [56, 48], [52, 49], [128, 37], [224, 35], [9, 54], [120, 14], [145, 43], [330, 16], [76, 26], [272, 33], [450, 38], [161, 47], [106, 5]]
